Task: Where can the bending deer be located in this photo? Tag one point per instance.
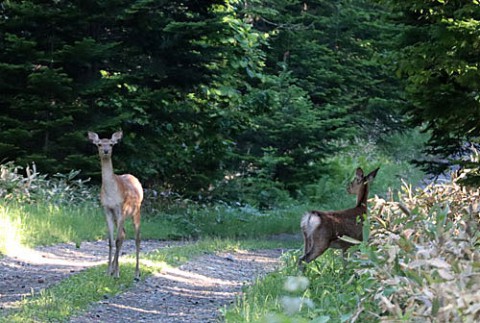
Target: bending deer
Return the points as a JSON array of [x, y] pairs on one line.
[[121, 197], [322, 230]]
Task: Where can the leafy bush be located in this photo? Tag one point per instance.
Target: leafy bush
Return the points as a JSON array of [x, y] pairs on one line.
[[35, 187], [424, 252]]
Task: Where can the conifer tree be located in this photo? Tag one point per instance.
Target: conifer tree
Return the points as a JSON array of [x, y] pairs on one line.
[[438, 57], [325, 81]]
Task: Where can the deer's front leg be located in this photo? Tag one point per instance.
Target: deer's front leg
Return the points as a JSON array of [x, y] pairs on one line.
[[110, 231]]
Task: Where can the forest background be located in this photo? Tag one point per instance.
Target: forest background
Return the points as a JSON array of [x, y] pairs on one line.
[[226, 99]]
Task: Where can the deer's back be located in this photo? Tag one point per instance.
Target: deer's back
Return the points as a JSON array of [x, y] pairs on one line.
[[130, 185]]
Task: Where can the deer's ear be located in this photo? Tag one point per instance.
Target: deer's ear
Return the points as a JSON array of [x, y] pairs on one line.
[[93, 137], [117, 136], [372, 175], [359, 173]]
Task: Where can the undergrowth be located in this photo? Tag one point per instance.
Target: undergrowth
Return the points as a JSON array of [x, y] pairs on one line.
[[420, 263], [424, 251], [27, 185]]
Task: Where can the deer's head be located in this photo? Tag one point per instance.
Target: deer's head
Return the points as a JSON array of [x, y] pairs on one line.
[[105, 146], [360, 181]]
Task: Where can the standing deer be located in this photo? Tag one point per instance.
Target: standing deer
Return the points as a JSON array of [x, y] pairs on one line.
[[323, 229], [121, 197]]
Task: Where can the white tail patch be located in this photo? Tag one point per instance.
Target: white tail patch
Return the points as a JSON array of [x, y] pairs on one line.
[[310, 222]]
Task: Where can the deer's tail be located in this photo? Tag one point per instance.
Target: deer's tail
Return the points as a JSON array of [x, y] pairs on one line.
[[310, 222]]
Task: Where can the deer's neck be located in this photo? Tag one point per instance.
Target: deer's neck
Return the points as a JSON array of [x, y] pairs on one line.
[[109, 181], [362, 197]]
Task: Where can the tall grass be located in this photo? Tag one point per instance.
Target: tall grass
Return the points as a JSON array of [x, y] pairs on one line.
[[224, 221], [38, 210], [36, 224]]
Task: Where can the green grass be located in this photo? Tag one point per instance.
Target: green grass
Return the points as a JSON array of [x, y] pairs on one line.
[[334, 293], [32, 225], [77, 292], [73, 294], [221, 221], [224, 221]]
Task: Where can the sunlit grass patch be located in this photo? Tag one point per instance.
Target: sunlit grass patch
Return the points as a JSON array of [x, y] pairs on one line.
[[64, 223], [30, 225], [10, 231]]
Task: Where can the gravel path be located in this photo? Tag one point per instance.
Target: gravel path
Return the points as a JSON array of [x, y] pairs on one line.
[[194, 292]]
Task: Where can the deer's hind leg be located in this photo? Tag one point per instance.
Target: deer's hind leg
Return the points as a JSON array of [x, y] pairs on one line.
[[136, 227], [319, 244], [307, 242], [318, 248], [118, 244]]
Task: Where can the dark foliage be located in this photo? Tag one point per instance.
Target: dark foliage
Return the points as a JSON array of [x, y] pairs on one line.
[[438, 56], [201, 89]]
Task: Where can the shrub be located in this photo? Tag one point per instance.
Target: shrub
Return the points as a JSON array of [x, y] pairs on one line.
[[423, 251], [34, 187]]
